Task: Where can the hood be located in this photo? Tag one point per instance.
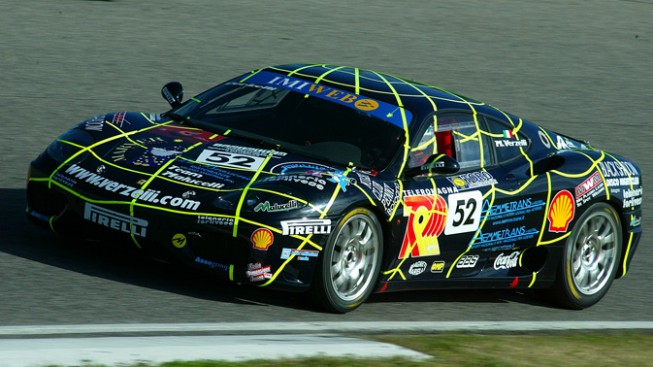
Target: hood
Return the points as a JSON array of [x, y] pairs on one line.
[[135, 151]]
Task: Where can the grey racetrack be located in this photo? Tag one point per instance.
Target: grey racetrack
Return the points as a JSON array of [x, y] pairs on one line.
[[580, 67]]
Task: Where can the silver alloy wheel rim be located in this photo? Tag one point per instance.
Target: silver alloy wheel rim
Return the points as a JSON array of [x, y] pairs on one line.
[[593, 253], [353, 261]]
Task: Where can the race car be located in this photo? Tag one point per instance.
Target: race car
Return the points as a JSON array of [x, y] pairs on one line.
[[343, 182]]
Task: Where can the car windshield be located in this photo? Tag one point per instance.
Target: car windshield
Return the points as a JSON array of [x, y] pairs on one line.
[[302, 123]]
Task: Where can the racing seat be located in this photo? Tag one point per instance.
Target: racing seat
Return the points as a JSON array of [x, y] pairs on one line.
[[445, 143]]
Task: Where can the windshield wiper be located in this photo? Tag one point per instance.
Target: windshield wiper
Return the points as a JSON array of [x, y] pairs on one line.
[[269, 143], [179, 118]]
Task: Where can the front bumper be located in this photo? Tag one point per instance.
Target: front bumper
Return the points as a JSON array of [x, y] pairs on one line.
[[205, 242]]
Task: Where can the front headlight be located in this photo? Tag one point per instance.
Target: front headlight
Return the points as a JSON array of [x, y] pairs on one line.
[[69, 143]]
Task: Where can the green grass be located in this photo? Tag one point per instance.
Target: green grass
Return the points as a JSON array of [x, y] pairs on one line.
[[610, 349], [556, 349]]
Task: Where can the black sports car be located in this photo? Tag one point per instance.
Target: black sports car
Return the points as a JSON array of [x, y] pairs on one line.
[[344, 182]]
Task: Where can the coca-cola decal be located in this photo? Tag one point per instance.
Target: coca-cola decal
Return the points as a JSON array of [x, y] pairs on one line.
[[506, 261]]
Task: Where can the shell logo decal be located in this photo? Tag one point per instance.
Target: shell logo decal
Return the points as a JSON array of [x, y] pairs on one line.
[[561, 212], [262, 239]]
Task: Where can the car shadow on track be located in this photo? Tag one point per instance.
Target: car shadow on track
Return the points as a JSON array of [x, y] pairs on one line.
[[124, 263]]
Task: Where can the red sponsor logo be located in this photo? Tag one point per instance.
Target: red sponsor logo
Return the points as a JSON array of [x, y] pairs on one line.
[[591, 182], [426, 219]]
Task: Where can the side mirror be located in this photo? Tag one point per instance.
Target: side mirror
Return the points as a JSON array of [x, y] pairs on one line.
[[436, 164], [173, 92]]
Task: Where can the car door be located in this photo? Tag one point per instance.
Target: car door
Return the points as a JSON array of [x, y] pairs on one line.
[[514, 213], [443, 212]]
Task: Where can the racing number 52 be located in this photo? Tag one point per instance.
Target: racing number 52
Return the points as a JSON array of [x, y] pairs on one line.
[[228, 159], [465, 215]]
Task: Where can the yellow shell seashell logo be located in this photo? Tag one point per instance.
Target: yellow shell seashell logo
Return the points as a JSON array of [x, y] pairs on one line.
[[561, 212], [262, 239]]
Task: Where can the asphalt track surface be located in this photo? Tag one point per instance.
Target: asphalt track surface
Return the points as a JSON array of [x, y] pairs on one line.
[[579, 67]]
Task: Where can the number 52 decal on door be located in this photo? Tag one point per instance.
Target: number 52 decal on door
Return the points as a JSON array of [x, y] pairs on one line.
[[464, 212]]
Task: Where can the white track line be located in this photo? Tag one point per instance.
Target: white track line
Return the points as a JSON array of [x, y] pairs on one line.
[[116, 344], [157, 350], [260, 328]]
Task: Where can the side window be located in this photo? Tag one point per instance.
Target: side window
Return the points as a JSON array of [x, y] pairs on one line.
[[507, 144], [453, 134]]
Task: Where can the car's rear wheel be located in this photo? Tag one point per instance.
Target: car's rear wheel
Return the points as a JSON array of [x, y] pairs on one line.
[[590, 258], [350, 262]]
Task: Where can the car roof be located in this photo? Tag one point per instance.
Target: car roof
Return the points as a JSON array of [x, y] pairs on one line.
[[421, 99]]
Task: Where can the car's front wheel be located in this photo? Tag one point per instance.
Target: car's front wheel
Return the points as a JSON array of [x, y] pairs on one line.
[[350, 262], [590, 258]]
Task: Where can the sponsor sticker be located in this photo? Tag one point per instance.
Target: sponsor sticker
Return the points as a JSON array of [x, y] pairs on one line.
[[339, 178], [378, 109], [387, 194], [442, 190], [589, 189], [467, 262], [147, 152], [262, 239], [632, 197], [65, 180], [506, 236], [561, 212], [306, 226], [472, 180], [256, 272], [301, 255], [564, 143], [190, 177], [216, 221], [437, 267], [511, 211], [130, 192], [119, 119], [635, 221], [276, 207], [179, 240], [114, 220], [426, 221], [621, 169], [417, 268], [510, 143], [211, 264], [544, 139], [312, 181], [506, 261], [95, 123], [290, 167], [208, 173]]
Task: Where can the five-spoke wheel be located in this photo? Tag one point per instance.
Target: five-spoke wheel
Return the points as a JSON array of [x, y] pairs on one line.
[[350, 262], [590, 258]]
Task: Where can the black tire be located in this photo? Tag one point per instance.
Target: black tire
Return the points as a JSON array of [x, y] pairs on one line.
[[590, 258], [350, 263]]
